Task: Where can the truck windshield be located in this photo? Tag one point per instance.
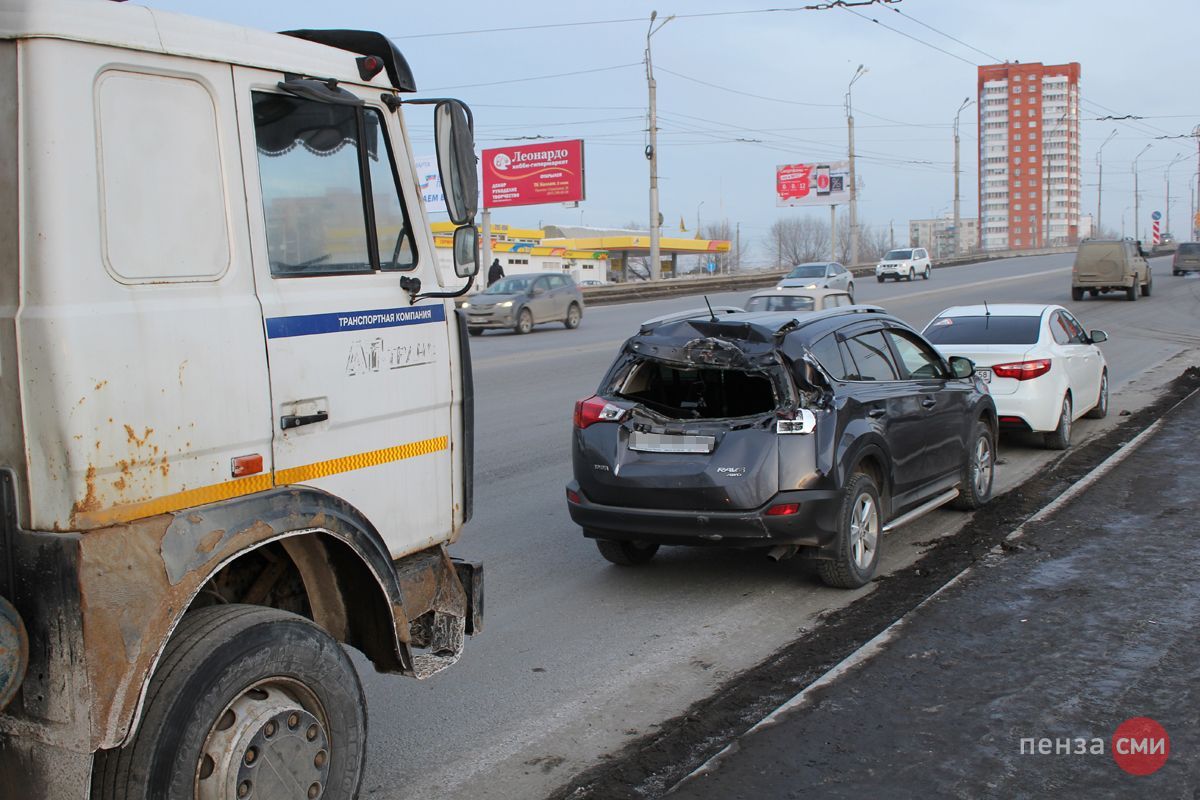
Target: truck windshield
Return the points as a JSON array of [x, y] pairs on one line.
[[313, 189]]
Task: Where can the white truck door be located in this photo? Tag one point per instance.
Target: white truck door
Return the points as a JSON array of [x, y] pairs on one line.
[[360, 379]]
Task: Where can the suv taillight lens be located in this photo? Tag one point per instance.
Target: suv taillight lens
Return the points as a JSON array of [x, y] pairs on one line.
[[596, 409], [1022, 370]]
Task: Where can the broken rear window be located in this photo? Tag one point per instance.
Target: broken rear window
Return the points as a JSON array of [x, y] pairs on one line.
[[698, 393]]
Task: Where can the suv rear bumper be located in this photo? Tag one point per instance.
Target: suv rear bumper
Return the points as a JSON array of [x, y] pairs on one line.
[[813, 525]]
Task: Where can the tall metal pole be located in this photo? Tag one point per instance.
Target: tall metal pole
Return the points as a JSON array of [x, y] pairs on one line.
[[485, 246], [853, 181], [1100, 189], [1135, 193], [1167, 179], [652, 151], [957, 220], [833, 233]]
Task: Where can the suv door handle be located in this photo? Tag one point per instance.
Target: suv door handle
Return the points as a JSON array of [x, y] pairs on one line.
[[928, 402], [289, 421], [876, 413]]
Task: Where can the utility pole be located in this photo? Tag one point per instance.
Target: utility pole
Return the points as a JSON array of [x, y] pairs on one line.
[[1135, 193], [1167, 178], [737, 253], [652, 152], [485, 246], [853, 180], [833, 232], [1100, 189], [892, 237], [957, 221]]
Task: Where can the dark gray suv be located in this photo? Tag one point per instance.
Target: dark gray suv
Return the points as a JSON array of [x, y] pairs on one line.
[[519, 302], [814, 435]]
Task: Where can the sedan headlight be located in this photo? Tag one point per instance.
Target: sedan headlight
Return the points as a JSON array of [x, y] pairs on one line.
[[505, 304]]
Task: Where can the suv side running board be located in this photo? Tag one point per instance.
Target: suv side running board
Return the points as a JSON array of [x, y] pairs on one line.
[[921, 510]]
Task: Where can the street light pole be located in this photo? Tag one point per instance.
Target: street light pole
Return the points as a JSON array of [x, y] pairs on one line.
[[1167, 180], [1100, 189], [698, 218], [1135, 192], [853, 183], [957, 221], [652, 151]]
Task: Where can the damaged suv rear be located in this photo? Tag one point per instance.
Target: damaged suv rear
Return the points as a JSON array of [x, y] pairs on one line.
[[811, 435]]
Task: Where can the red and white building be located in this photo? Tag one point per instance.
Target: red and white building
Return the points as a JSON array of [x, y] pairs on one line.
[[1029, 177]]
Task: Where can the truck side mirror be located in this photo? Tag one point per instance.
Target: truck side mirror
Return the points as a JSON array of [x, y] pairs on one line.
[[466, 251], [455, 136]]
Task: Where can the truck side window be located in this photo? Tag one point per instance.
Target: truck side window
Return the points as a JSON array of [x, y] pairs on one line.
[[313, 189]]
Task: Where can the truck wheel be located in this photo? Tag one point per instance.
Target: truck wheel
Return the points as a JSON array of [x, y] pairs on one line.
[[1060, 437], [626, 554], [574, 315], [856, 547], [1076, 293], [247, 701], [1132, 292], [1147, 286], [475, 331], [979, 471], [524, 321]]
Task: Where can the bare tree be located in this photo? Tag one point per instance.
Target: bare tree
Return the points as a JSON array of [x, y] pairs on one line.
[[724, 231], [798, 239]]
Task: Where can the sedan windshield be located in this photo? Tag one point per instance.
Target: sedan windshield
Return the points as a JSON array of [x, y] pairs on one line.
[[898, 255], [991, 329], [808, 271], [509, 286]]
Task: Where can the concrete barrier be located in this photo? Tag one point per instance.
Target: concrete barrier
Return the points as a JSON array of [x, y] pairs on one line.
[[636, 291]]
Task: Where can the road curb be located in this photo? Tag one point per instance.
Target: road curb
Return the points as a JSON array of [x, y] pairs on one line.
[[877, 642]]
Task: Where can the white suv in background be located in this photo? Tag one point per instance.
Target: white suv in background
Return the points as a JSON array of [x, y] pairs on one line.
[[908, 264]]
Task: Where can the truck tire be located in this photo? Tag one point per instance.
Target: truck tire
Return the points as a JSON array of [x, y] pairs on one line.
[[475, 331], [1131, 292], [1148, 285], [860, 532], [1076, 293], [239, 686], [626, 554]]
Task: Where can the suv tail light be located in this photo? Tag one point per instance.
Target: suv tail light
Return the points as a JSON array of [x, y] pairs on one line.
[[596, 409], [1022, 370]]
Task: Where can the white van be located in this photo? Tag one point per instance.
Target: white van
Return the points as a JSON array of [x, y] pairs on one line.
[[237, 415]]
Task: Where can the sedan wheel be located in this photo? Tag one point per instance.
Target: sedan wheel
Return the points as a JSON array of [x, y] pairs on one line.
[[856, 549], [1100, 410], [1060, 437]]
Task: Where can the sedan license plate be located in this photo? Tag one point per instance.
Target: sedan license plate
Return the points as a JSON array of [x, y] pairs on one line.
[[670, 443], [985, 375]]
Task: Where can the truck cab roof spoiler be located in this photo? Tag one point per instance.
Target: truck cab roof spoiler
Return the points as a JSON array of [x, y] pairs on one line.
[[365, 43]]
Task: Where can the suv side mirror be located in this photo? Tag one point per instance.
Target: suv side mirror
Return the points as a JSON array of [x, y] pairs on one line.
[[1098, 336], [961, 367], [454, 132]]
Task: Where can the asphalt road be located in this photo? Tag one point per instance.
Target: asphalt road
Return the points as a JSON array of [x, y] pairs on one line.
[[579, 655]]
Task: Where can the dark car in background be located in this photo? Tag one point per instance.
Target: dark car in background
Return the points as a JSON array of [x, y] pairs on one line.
[[811, 434], [1186, 259], [519, 302]]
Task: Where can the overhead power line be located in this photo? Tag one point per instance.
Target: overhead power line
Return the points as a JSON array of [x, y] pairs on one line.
[[996, 59], [747, 94], [626, 20], [537, 77]]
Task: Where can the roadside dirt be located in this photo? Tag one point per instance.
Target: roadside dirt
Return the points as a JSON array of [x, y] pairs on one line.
[[650, 765]]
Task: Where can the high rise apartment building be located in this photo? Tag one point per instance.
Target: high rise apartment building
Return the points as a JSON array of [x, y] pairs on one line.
[[1029, 176]]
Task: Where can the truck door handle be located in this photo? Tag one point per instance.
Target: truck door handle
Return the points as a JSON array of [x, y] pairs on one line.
[[928, 402], [296, 420], [876, 413]]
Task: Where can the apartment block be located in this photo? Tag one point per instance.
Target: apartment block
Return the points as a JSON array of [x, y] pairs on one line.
[[937, 235], [1029, 175]]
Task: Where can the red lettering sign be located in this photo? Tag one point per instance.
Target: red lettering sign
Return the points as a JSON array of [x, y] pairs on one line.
[[550, 172]]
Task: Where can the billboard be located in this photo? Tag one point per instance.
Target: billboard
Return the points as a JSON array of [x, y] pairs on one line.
[[821, 184], [549, 172], [431, 184]]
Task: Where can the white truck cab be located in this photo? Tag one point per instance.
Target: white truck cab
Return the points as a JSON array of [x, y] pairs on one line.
[[237, 402]]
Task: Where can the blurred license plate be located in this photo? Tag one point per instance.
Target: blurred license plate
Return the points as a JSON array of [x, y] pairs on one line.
[[670, 443], [985, 375]]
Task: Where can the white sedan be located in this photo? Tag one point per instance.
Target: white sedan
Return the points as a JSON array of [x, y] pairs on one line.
[[1042, 369]]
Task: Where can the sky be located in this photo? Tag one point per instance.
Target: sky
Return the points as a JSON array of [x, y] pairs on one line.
[[742, 92]]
